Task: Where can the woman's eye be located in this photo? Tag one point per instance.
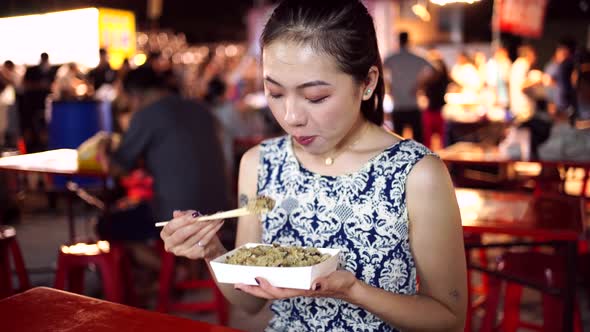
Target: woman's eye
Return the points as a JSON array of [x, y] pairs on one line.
[[317, 100], [275, 95]]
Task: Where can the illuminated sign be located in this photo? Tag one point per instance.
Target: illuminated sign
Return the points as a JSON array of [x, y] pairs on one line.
[[68, 36]]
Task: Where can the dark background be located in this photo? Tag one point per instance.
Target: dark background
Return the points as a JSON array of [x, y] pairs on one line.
[[224, 20]]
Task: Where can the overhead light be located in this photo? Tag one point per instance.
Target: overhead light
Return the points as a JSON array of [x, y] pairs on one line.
[[421, 11], [447, 2]]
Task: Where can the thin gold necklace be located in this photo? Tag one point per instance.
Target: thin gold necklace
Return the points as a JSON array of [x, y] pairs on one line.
[[329, 161]]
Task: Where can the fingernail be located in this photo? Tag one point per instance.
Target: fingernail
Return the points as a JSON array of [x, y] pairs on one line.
[[196, 214], [317, 287], [257, 282]]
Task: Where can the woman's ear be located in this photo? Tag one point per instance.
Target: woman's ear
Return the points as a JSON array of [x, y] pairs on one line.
[[370, 83]]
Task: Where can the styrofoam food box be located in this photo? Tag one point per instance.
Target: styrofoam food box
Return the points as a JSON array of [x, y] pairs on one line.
[[285, 277]]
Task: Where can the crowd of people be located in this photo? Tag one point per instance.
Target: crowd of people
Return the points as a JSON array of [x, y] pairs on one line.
[[528, 97]]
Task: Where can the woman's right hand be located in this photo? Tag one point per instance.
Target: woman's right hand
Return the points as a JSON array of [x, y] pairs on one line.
[[183, 236]]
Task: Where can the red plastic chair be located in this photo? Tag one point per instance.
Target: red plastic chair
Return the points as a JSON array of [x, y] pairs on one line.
[[71, 267], [9, 247], [216, 304], [482, 288], [540, 268]]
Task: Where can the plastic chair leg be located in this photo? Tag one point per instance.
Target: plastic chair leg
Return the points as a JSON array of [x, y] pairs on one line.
[[76, 279], [19, 265], [512, 307], [5, 273], [166, 274]]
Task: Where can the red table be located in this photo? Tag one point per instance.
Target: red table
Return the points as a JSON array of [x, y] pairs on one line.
[[547, 219], [473, 154], [56, 162], [48, 309]]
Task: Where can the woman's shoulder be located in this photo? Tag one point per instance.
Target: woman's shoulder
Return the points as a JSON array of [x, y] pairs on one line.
[[405, 148], [251, 158]]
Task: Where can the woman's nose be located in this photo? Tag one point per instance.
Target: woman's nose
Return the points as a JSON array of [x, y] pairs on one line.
[[294, 115]]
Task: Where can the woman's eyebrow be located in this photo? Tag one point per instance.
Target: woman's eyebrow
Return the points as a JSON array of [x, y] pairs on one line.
[[301, 86]]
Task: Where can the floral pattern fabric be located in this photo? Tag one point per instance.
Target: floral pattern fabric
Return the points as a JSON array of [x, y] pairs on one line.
[[363, 214]]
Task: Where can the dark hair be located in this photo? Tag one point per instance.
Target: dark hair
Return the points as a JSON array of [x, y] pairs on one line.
[[9, 64], [102, 52], [568, 43], [403, 38], [342, 29], [44, 56], [215, 89], [141, 80]]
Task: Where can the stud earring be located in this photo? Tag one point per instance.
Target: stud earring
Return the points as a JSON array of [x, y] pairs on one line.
[[368, 92]]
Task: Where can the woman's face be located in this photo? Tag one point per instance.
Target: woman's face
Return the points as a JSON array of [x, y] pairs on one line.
[[311, 98]]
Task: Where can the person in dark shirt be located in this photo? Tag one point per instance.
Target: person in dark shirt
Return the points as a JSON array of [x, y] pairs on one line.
[[434, 85], [177, 140], [566, 94], [37, 85], [103, 73]]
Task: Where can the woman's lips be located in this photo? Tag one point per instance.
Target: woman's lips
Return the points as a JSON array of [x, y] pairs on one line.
[[304, 140]]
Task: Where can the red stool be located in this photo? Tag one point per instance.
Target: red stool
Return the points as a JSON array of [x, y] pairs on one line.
[[482, 257], [482, 289], [73, 260], [540, 268], [165, 304], [9, 247]]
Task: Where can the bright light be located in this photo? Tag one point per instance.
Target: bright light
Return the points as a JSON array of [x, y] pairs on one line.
[[388, 104], [421, 11], [231, 51], [68, 36], [139, 59], [446, 2], [470, 204]]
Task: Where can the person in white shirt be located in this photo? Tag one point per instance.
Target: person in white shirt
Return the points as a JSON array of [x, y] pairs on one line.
[[498, 76], [466, 74], [522, 105]]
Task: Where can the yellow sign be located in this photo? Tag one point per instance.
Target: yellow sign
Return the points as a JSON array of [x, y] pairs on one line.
[[117, 34]]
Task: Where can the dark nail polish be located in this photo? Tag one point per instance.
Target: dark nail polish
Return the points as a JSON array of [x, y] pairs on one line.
[[317, 287], [258, 282], [196, 214]]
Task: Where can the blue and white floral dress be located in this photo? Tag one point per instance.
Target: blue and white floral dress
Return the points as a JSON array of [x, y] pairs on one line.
[[363, 213]]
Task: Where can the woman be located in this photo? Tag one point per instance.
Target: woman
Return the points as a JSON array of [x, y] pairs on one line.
[[341, 181]]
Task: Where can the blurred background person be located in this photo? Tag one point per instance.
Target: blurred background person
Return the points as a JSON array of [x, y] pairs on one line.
[[465, 74], [434, 86], [497, 77], [68, 80], [9, 83], [522, 84], [565, 93], [403, 69], [582, 85], [37, 86], [176, 139], [102, 73]]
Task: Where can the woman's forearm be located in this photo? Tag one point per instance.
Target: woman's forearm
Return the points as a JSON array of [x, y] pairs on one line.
[[406, 312]]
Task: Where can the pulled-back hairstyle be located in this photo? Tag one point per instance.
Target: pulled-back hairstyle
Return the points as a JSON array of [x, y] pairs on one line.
[[342, 29]]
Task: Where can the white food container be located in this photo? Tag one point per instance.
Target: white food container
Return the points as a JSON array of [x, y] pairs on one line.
[[285, 277]]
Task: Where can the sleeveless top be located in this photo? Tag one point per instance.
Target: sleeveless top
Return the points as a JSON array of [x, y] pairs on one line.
[[363, 214]]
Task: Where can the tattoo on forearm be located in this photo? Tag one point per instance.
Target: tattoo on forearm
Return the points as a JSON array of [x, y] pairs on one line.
[[243, 200], [455, 294]]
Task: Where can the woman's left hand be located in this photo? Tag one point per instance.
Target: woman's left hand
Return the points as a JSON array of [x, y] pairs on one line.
[[338, 284]]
